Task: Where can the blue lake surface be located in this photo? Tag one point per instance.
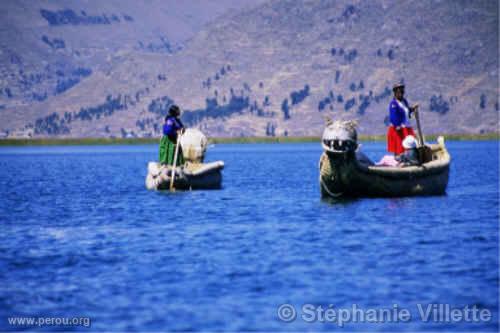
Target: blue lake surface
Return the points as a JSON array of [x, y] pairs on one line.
[[81, 236]]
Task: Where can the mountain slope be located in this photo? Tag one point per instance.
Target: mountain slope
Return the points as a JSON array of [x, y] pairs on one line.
[[280, 67], [47, 48]]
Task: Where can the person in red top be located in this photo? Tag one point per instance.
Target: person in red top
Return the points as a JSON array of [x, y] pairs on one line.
[[399, 117]]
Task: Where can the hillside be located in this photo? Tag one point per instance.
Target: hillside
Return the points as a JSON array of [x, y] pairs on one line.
[[270, 68]]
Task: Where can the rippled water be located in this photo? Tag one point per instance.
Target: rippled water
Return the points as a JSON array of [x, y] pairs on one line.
[[81, 236]]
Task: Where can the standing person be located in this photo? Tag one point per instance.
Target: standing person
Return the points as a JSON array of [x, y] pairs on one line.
[[171, 130], [399, 116]]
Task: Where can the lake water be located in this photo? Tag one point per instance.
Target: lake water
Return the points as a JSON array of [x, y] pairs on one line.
[[82, 237]]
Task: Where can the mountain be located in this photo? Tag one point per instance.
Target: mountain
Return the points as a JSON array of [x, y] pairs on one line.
[[85, 69]]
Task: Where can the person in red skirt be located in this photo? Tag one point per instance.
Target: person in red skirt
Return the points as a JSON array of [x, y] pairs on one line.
[[399, 117]]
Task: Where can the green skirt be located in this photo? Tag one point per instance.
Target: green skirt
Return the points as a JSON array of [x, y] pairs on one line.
[[167, 152]]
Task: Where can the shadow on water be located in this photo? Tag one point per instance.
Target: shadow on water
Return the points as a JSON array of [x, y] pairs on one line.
[[393, 202], [341, 201], [174, 193]]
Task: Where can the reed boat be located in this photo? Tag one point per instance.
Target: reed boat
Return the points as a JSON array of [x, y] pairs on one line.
[[191, 176], [194, 174], [346, 172]]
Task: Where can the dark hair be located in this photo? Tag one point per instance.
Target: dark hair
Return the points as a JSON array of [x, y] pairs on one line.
[[174, 110], [398, 86]]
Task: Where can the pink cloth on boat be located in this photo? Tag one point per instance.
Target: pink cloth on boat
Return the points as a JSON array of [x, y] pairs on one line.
[[388, 160]]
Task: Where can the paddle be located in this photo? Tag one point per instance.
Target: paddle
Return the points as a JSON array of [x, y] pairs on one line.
[[424, 153], [419, 128], [172, 178]]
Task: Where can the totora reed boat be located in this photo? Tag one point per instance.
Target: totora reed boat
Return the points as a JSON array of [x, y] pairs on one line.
[[346, 172], [194, 174]]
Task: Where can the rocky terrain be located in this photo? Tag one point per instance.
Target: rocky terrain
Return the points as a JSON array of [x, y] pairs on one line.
[[244, 68]]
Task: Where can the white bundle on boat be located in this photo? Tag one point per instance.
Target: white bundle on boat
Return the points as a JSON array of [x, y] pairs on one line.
[[194, 145]]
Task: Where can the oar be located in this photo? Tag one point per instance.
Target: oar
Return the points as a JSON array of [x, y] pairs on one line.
[[172, 188], [424, 153], [419, 128]]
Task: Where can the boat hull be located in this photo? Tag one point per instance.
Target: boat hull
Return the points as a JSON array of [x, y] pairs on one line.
[[207, 176], [342, 175]]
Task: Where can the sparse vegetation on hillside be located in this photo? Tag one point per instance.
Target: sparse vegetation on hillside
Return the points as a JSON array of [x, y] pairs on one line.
[[362, 101], [162, 46], [38, 86], [223, 71], [327, 101], [350, 13], [337, 76], [482, 101], [6, 92], [348, 56], [270, 129], [236, 104], [438, 104], [51, 125], [285, 109], [64, 84], [298, 96], [54, 124], [160, 105], [69, 17], [349, 104], [105, 109], [55, 43]]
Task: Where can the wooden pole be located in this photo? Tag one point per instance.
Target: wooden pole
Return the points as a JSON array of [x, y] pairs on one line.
[[424, 153], [419, 129], [172, 178]]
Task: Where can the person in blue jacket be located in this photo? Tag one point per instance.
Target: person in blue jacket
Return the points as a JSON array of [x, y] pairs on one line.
[[399, 117], [172, 128]]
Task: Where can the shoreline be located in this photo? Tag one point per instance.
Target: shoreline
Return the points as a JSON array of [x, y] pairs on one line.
[[139, 141]]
